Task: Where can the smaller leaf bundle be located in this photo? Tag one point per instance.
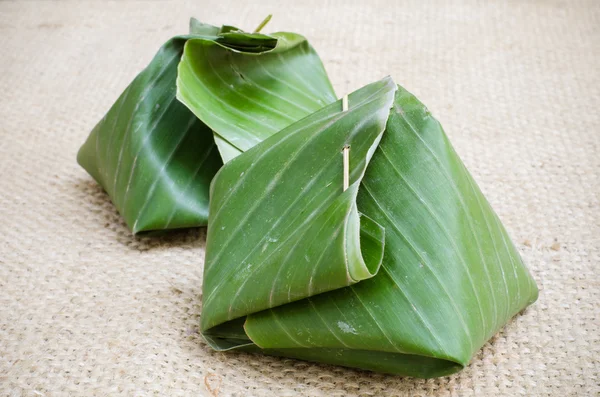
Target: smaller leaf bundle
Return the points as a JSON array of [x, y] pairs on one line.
[[407, 271]]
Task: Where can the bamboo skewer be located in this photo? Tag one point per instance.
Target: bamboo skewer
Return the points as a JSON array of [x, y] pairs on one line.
[[346, 150]]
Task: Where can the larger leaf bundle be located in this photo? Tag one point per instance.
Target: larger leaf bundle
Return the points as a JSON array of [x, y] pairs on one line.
[[407, 271]]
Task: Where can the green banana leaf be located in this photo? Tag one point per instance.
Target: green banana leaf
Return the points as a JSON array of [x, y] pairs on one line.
[[245, 97], [152, 156], [408, 271], [156, 159]]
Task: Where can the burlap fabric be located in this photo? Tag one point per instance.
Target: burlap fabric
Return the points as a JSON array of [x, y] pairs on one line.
[[87, 309]]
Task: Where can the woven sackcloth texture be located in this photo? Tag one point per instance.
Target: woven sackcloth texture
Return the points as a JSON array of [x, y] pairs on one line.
[[88, 309]]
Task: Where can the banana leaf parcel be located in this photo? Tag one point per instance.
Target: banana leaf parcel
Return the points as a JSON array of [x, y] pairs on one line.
[[406, 270], [156, 159]]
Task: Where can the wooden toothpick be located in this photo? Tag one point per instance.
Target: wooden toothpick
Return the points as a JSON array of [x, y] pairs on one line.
[[263, 23], [346, 154], [346, 149]]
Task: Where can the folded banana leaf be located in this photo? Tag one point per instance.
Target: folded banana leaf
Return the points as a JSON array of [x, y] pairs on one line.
[[156, 159], [245, 97], [408, 271]]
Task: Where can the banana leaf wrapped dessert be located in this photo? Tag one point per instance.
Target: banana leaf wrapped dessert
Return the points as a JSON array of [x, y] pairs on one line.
[[346, 232]]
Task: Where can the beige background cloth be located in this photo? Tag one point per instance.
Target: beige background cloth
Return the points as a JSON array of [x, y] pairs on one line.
[[87, 309]]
